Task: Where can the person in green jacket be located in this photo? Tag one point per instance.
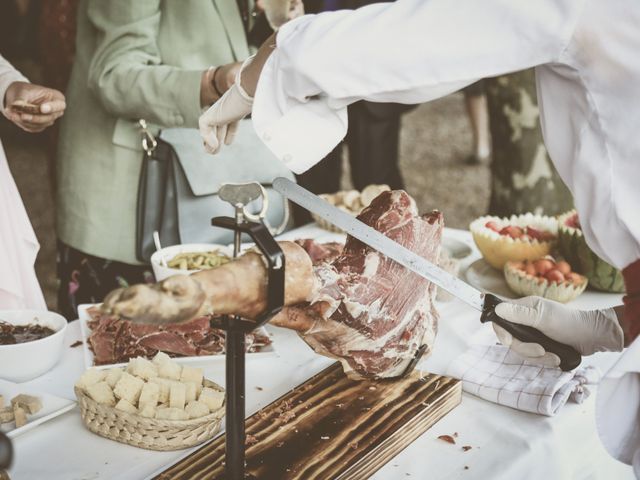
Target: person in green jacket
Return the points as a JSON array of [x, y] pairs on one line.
[[162, 61]]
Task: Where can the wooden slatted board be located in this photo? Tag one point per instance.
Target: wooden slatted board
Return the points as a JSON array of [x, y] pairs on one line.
[[342, 429]]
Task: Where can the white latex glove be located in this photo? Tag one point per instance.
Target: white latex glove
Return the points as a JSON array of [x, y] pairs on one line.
[[219, 123], [588, 331]]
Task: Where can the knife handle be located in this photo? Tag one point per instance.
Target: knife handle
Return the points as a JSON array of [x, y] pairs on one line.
[[570, 358]]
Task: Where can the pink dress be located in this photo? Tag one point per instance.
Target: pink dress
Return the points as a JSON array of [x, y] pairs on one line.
[[19, 288]]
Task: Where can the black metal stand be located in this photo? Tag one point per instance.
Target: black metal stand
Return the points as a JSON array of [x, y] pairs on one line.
[[236, 328]]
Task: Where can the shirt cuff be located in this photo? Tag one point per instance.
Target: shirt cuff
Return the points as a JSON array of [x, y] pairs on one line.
[[7, 79], [631, 276], [298, 132]]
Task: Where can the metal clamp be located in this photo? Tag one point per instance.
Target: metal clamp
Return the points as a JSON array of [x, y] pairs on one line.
[[149, 142], [240, 195], [274, 257]]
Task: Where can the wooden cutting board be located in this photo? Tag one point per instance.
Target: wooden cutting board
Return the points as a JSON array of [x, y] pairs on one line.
[[331, 427]]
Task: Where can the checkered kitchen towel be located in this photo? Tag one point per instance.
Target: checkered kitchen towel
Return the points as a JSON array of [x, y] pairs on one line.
[[497, 374]]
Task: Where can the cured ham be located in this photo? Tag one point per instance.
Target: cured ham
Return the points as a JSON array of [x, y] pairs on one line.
[[356, 305]]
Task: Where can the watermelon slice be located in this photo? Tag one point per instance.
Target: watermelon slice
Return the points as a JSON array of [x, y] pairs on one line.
[[575, 250]]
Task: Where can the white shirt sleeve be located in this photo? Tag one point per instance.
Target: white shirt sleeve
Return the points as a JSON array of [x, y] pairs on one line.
[[8, 75], [410, 51]]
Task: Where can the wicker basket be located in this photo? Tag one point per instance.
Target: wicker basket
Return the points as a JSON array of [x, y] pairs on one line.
[[149, 433]]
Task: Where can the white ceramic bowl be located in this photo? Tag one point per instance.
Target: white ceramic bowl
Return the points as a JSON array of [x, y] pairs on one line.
[[25, 361], [162, 272]]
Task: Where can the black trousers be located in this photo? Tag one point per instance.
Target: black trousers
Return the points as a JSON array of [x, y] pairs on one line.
[[372, 140], [85, 278]]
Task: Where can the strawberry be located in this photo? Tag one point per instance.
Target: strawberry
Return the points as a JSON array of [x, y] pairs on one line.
[[492, 225], [512, 231]]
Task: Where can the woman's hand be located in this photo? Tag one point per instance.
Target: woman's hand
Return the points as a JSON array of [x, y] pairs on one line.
[[219, 123], [216, 81], [33, 107]]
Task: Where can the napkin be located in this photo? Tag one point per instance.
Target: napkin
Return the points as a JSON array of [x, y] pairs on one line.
[[497, 374]]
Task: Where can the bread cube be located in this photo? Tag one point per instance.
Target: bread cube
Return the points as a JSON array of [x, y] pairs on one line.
[[126, 406], [171, 414], [29, 403], [101, 392], [89, 377], [177, 395], [196, 409], [165, 386], [1, 401], [147, 410], [6, 415], [143, 368], [170, 370], [161, 358], [191, 392], [191, 374], [20, 416], [214, 399], [129, 388], [149, 395], [113, 375]]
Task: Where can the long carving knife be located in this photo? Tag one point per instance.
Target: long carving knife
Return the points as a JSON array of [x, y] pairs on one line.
[[484, 302]]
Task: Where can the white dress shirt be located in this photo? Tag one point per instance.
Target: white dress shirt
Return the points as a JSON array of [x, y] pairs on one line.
[[587, 59], [19, 288]]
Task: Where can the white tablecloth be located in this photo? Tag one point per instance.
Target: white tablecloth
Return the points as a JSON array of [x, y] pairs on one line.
[[507, 444]]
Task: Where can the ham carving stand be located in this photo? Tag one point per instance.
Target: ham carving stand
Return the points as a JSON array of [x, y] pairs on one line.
[[244, 222]]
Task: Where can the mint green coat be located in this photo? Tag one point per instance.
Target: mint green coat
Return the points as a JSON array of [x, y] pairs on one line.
[[134, 59]]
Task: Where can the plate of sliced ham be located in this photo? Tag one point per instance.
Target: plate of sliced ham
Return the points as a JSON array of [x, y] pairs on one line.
[[109, 341]]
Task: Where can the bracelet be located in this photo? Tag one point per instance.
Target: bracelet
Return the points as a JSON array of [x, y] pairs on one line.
[[213, 82]]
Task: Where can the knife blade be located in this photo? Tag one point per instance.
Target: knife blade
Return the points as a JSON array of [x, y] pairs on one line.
[[484, 302]]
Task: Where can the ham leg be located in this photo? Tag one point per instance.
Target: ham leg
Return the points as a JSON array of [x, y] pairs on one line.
[[363, 309]]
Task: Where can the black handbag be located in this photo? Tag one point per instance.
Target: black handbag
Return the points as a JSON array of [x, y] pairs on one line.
[[179, 184]]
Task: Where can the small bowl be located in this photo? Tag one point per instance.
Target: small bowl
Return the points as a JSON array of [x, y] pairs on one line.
[[162, 272], [25, 361]]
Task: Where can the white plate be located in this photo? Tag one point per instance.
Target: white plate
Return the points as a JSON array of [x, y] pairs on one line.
[[52, 406], [487, 279], [457, 249], [267, 351]]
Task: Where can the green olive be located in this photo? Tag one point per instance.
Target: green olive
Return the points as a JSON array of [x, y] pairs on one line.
[[198, 260]]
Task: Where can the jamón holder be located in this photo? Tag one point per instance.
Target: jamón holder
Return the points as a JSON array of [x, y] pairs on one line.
[[244, 222]]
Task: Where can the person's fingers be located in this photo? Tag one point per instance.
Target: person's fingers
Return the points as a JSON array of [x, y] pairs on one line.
[[211, 141], [232, 129], [39, 119], [504, 337], [29, 127], [515, 313], [221, 134], [53, 106], [528, 350]]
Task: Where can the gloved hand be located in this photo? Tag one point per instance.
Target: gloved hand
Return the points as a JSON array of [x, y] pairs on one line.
[[588, 331], [219, 123]]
